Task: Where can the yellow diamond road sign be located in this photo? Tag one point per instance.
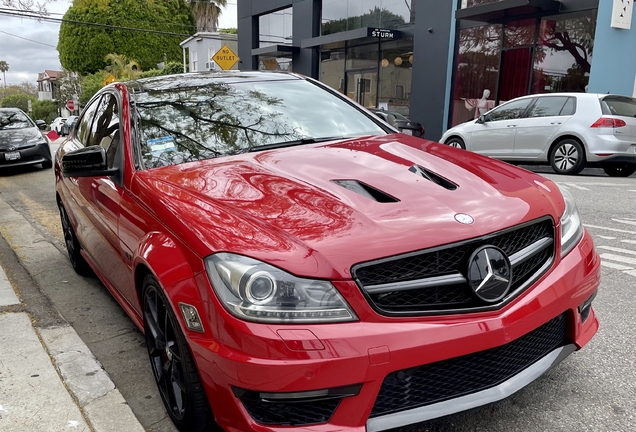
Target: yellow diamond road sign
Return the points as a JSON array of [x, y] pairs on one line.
[[225, 58], [109, 79]]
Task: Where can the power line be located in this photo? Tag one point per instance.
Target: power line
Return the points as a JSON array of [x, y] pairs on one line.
[[27, 39], [64, 20]]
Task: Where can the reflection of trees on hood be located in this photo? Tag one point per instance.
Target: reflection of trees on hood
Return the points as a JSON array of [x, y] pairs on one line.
[[210, 121]]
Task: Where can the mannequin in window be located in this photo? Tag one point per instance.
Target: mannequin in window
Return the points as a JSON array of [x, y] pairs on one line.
[[481, 106]]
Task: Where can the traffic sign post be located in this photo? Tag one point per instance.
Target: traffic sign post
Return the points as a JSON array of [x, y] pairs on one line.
[[70, 105], [225, 58]]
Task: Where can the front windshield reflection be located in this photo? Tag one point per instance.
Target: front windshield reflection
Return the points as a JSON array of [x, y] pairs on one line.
[[14, 120], [194, 123]]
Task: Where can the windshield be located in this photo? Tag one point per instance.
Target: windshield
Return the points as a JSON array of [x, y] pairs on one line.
[[195, 123], [14, 120]]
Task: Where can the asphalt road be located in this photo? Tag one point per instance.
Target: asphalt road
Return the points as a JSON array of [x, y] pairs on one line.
[[594, 389]]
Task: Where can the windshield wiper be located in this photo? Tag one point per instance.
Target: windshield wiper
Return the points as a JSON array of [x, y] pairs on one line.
[[293, 143]]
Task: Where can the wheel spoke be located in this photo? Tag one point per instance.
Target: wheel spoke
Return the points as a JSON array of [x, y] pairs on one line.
[[157, 334]]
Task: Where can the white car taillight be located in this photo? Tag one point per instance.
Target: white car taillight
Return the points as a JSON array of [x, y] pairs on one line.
[[604, 122]]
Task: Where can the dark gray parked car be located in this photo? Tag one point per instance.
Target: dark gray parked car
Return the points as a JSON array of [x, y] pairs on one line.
[[21, 141]]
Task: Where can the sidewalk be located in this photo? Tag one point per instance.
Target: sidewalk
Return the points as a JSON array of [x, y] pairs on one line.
[[49, 379]]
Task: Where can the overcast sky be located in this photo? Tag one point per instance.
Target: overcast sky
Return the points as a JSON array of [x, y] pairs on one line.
[[28, 57]]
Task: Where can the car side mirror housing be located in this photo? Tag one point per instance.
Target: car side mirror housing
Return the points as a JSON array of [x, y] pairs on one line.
[[41, 124], [86, 162], [482, 119]]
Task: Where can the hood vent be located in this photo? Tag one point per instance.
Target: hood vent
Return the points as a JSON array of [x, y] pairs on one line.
[[435, 178], [366, 190]]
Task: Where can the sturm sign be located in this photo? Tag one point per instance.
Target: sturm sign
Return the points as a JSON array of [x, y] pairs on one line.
[[384, 33]]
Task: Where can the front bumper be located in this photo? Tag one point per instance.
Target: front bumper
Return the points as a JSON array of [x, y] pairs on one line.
[[28, 156], [276, 359]]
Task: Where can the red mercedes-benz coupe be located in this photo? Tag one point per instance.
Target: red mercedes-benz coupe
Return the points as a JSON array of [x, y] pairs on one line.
[[296, 264]]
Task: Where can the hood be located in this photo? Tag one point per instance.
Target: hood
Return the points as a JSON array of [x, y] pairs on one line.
[[344, 202], [17, 137]]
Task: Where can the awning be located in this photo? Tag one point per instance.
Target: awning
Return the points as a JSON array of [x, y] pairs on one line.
[[275, 51], [361, 33], [506, 9]]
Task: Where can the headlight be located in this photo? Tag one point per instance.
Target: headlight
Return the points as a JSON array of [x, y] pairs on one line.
[[255, 291], [571, 227]]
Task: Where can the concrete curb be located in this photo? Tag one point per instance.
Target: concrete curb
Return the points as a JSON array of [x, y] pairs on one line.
[[87, 381]]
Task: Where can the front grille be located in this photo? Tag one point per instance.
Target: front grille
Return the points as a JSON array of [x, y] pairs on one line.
[[460, 376], [452, 260], [291, 413]]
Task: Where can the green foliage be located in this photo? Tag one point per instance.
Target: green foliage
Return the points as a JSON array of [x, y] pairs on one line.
[[83, 48], [17, 101], [44, 110], [231, 30], [170, 68], [91, 85]]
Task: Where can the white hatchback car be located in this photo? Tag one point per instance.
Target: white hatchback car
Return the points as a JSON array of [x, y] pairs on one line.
[[57, 124], [569, 131]]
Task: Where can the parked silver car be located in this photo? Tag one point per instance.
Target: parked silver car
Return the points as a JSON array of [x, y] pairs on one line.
[[569, 131]]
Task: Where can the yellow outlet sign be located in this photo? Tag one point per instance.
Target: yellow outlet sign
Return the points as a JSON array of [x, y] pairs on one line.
[[109, 79], [225, 58]]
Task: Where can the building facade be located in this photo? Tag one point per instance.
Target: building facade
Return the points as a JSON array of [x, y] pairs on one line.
[[199, 50], [47, 85], [438, 61]]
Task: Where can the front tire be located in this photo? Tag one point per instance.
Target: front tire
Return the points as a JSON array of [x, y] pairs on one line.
[[73, 247], [620, 169], [174, 370], [568, 157], [456, 142]]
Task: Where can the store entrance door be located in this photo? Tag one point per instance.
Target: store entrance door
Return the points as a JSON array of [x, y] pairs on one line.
[[516, 69], [362, 86]]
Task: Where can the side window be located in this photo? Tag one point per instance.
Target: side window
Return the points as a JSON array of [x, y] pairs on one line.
[[509, 111], [569, 108], [105, 129], [84, 124], [548, 106]]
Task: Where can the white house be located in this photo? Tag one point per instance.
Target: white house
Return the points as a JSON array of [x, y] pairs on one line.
[[199, 50]]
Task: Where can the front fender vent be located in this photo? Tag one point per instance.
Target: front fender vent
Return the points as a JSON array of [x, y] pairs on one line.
[[366, 190], [431, 176]]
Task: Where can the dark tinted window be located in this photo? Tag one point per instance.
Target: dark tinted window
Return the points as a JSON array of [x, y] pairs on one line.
[[548, 106], [84, 127], [619, 106], [213, 119], [105, 129], [511, 110]]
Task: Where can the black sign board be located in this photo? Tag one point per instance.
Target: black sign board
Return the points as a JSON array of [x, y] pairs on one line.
[[384, 33]]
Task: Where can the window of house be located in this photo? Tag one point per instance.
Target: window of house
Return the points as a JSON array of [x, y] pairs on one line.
[[194, 58]]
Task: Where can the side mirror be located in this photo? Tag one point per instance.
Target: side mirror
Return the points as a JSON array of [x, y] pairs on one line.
[[482, 119], [86, 162], [41, 124]]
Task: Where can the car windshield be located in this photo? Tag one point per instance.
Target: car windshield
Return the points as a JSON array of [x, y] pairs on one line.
[[219, 119], [14, 120]]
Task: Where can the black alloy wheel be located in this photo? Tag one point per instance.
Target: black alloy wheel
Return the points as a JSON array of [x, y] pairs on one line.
[[568, 157], [620, 169], [73, 247], [456, 142], [174, 370]]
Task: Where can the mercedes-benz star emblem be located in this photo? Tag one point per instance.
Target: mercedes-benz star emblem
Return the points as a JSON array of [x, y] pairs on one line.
[[10, 148], [489, 273], [464, 218]]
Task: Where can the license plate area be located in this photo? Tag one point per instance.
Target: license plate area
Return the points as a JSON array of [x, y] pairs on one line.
[[11, 156]]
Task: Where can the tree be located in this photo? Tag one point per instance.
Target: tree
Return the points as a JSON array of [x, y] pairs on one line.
[[4, 68], [83, 48], [121, 67], [206, 13], [69, 86], [91, 85], [44, 110], [18, 101]]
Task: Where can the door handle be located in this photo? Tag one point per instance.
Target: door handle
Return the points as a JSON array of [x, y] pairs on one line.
[[556, 123], [512, 125]]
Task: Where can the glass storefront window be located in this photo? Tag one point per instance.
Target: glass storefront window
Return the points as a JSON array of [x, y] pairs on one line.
[[344, 15], [363, 57], [275, 28], [471, 3], [396, 72], [520, 33], [564, 53], [332, 66], [477, 72]]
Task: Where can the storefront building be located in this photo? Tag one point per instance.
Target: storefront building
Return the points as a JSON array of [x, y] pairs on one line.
[[442, 61]]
